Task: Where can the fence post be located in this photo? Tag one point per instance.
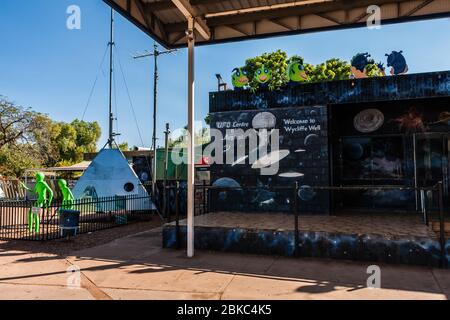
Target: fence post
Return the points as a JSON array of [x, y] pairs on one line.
[[424, 206], [296, 242], [177, 215], [208, 194], [441, 224], [166, 204], [204, 197]]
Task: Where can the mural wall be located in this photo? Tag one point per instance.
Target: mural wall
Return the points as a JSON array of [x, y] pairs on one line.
[[303, 158], [383, 131], [390, 143]]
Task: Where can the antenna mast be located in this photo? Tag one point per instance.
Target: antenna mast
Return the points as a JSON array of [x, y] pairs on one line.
[[155, 54], [111, 74]]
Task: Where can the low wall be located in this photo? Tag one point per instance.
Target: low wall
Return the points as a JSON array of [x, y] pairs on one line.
[[373, 248]]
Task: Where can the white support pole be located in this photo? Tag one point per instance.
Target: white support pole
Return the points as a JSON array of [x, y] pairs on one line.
[[191, 140]]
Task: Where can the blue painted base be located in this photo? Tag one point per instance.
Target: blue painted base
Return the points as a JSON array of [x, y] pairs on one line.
[[403, 250]]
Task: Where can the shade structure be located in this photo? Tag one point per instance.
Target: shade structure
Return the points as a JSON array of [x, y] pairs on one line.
[[185, 23], [232, 20]]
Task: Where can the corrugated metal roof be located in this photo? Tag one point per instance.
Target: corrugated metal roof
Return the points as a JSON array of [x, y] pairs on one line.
[[233, 20]]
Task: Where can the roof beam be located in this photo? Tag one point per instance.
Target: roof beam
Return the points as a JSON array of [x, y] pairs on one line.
[[189, 12], [200, 2], [159, 5], [168, 4], [322, 9], [326, 17], [417, 8], [300, 9], [280, 23], [150, 23]]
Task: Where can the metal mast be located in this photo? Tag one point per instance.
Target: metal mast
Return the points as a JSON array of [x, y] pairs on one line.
[[155, 54], [111, 74]]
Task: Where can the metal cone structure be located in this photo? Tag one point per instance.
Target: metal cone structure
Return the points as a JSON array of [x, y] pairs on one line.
[[110, 175]]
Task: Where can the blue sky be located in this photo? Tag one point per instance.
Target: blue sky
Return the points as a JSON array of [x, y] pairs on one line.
[[45, 66]]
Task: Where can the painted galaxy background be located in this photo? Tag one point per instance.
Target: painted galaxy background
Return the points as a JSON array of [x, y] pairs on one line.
[[303, 137], [384, 153]]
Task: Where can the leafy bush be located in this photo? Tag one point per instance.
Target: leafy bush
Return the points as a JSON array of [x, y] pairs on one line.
[[331, 70], [275, 61]]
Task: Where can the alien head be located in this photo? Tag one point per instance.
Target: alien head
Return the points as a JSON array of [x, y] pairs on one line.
[[296, 71], [263, 75], [40, 177], [62, 183], [239, 78]]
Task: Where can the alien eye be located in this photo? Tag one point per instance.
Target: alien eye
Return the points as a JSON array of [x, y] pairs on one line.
[[244, 72], [238, 73], [266, 71], [259, 71]]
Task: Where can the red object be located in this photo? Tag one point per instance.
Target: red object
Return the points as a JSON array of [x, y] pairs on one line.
[[204, 161]]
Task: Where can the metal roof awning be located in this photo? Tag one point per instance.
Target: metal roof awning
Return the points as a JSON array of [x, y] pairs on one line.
[[185, 23], [82, 166], [233, 20]]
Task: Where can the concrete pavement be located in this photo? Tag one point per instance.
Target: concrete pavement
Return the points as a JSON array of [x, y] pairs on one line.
[[136, 267]]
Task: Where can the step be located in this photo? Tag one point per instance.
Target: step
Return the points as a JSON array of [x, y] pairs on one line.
[[435, 226]]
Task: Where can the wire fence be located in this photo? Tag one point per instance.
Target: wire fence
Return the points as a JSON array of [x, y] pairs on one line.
[[25, 220]]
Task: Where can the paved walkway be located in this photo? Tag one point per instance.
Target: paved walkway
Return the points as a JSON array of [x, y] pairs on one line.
[[136, 267]]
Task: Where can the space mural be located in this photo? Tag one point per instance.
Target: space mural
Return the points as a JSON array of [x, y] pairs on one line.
[[302, 156], [376, 146]]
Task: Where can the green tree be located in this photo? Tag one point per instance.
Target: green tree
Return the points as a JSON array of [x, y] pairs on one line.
[[72, 140], [373, 70], [24, 140], [208, 119], [332, 69], [124, 146], [29, 139], [16, 123], [15, 159]]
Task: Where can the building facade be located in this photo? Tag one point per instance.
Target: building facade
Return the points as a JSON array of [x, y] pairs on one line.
[[384, 131]]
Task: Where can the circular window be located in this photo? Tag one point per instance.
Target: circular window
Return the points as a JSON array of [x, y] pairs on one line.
[[128, 187]]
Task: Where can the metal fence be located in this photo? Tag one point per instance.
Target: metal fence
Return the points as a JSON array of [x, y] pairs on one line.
[[430, 208], [18, 223]]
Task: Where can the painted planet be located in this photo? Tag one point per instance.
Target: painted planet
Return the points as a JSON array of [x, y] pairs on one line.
[[368, 120], [264, 120], [226, 183], [144, 176], [312, 139], [354, 150], [242, 117], [314, 113], [270, 159], [291, 174], [306, 193]]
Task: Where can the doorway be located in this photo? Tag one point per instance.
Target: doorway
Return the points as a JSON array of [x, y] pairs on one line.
[[432, 153]]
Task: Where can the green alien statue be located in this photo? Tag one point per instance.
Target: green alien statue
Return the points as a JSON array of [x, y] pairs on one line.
[[239, 78], [68, 197], [296, 71], [42, 189], [263, 75]]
